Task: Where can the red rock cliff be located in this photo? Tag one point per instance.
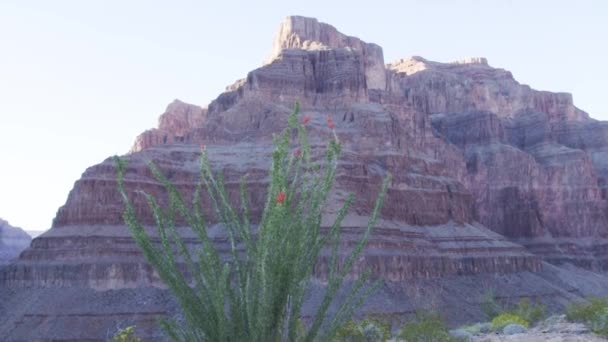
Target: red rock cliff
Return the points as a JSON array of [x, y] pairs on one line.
[[490, 176]]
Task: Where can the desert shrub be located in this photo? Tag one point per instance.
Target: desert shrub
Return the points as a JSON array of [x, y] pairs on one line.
[[426, 327], [257, 293], [530, 312], [490, 307], [584, 311], [504, 319], [126, 335], [367, 330], [599, 324], [593, 313]]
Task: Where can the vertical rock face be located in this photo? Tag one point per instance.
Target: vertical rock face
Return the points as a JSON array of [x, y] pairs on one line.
[[535, 162], [490, 179], [309, 34], [13, 240]]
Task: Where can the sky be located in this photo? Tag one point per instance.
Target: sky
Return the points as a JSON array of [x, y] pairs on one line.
[[79, 80]]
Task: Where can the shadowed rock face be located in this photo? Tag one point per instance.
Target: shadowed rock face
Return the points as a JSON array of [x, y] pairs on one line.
[[13, 240], [490, 178]]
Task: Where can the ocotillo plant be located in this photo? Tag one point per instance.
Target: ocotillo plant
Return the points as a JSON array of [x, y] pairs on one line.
[[257, 295]]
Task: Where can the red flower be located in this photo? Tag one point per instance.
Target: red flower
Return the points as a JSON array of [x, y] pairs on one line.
[[297, 153], [306, 119], [330, 122], [280, 197]]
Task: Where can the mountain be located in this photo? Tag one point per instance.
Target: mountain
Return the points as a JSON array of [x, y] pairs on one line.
[[34, 233], [13, 240], [496, 186]]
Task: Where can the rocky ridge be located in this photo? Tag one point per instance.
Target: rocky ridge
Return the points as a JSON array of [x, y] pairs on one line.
[[494, 184], [13, 240]]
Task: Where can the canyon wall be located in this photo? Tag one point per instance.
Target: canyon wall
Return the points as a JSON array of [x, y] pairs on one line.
[[495, 185]]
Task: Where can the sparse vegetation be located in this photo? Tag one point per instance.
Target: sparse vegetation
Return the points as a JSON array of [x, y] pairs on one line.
[[504, 319], [426, 327], [530, 312], [593, 313], [524, 311], [367, 330], [258, 292], [126, 335], [490, 307]]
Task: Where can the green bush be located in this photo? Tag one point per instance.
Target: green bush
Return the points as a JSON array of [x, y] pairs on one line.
[[368, 330], [490, 307], [504, 319], [585, 311], [256, 292], [593, 313], [426, 327], [126, 335], [530, 312]]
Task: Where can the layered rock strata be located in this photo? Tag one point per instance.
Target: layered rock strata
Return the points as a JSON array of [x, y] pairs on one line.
[[491, 179]]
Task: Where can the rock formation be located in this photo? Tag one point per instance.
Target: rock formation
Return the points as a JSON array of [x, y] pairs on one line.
[[173, 125], [13, 240], [495, 186]]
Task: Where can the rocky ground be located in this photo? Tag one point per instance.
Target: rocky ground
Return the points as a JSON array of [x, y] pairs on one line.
[[553, 329]]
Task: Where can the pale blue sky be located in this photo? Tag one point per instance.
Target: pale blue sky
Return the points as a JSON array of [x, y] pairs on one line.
[[80, 79]]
